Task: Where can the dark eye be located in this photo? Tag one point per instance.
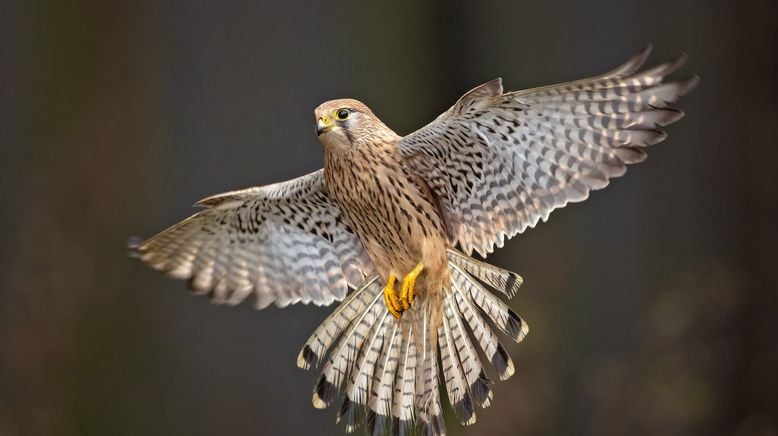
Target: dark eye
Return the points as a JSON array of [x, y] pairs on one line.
[[342, 114]]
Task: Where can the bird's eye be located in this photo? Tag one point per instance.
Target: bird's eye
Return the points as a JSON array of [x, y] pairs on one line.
[[342, 114]]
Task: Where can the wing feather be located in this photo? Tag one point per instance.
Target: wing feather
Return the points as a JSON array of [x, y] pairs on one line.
[[500, 162], [283, 243]]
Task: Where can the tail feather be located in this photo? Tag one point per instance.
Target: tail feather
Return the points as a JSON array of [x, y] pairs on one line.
[[428, 408], [343, 357], [328, 331], [380, 403], [453, 374], [505, 281], [362, 375], [484, 335], [503, 316], [375, 423], [392, 369], [476, 378], [404, 388]]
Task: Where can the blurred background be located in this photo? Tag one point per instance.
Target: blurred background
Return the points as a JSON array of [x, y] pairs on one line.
[[652, 305]]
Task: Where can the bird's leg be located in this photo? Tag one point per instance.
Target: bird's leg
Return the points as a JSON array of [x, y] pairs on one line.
[[390, 298], [409, 283]]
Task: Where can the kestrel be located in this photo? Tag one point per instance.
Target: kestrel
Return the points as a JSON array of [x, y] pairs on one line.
[[397, 218]]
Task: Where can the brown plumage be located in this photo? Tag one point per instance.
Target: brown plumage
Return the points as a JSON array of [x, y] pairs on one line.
[[391, 210], [386, 206]]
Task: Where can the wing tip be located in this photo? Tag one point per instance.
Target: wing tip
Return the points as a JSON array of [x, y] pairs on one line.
[[679, 60], [633, 63], [687, 84], [642, 56], [669, 115], [668, 67], [133, 242], [135, 247]]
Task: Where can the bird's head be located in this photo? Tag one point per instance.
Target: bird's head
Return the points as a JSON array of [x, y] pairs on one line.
[[346, 123]]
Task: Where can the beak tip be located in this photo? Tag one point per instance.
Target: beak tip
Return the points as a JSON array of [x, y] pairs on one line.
[[321, 127]]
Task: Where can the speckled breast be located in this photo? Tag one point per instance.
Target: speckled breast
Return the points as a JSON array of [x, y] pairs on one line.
[[391, 214]]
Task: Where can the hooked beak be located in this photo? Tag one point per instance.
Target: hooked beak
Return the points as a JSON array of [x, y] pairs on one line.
[[324, 125]]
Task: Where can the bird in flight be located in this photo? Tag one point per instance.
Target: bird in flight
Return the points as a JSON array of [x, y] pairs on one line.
[[396, 219]]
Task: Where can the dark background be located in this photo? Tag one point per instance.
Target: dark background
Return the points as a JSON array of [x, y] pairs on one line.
[[652, 306]]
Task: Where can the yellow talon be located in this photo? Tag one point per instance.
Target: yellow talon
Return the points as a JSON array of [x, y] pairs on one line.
[[390, 298], [409, 283]]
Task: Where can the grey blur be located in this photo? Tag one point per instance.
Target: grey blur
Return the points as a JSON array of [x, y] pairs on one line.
[[651, 306]]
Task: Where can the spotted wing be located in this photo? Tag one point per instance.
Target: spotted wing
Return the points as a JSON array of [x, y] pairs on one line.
[[283, 243], [499, 162]]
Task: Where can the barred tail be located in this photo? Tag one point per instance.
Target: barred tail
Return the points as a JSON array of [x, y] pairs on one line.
[[390, 371]]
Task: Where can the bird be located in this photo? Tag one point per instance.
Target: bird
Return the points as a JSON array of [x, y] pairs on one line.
[[390, 225]]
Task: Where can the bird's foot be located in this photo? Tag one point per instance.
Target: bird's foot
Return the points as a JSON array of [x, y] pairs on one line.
[[397, 304], [390, 298], [409, 285]]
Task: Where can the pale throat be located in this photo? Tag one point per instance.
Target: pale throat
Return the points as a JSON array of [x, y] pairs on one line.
[[335, 142], [341, 141]]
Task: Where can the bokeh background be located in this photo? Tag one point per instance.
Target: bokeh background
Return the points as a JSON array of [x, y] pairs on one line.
[[652, 305]]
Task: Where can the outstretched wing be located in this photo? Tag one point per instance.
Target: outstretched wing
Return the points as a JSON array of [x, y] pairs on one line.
[[499, 162], [283, 243]]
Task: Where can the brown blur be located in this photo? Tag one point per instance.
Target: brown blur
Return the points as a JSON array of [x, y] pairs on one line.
[[651, 306]]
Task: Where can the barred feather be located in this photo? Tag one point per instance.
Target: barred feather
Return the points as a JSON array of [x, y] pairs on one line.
[[380, 404], [478, 383], [453, 374], [427, 396], [483, 334], [358, 387], [342, 359], [507, 282], [391, 370], [282, 243], [330, 329], [503, 316], [404, 388], [490, 167], [501, 162]]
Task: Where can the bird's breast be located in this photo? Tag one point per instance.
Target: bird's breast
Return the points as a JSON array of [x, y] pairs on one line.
[[397, 221]]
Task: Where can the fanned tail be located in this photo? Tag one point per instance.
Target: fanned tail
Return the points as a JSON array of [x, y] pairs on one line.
[[427, 320], [389, 371]]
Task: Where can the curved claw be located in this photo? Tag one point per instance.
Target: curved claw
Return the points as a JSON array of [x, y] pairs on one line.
[[409, 284], [390, 298]]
